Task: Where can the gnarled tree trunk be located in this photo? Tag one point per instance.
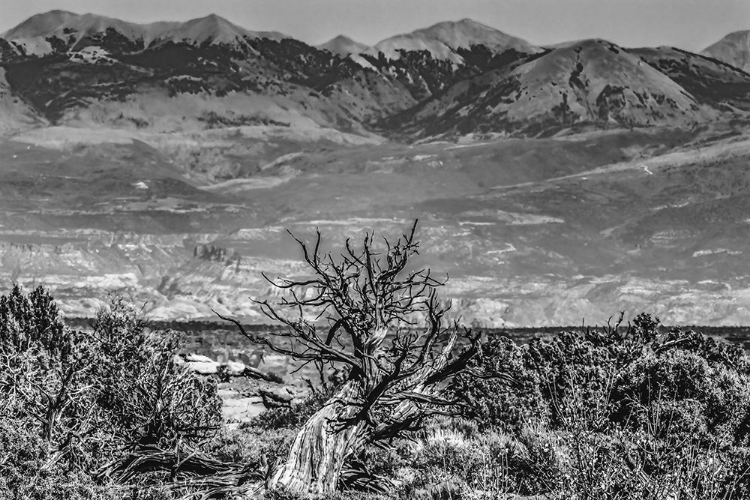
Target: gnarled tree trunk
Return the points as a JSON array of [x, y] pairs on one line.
[[338, 429], [314, 462]]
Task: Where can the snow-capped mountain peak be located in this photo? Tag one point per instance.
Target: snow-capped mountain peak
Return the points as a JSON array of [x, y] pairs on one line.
[[733, 49], [442, 40], [211, 29], [40, 24], [343, 46]]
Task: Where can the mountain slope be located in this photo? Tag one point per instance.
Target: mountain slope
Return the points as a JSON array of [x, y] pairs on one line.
[[15, 114], [180, 87], [710, 81], [442, 41], [733, 49], [588, 82]]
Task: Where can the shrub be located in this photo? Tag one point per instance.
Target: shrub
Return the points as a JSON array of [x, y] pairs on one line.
[[617, 412], [490, 464], [33, 321], [624, 371], [145, 398], [506, 393], [83, 399], [716, 352], [683, 394]]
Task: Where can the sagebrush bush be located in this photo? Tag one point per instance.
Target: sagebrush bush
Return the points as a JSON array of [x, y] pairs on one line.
[[73, 402], [690, 395], [624, 372], [492, 400], [629, 412], [146, 398], [33, 322]]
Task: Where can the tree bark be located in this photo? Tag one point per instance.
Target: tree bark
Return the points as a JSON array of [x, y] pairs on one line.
[[314, 463]]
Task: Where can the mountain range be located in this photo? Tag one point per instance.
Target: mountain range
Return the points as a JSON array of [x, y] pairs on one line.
[[447, 80], [164, 162]]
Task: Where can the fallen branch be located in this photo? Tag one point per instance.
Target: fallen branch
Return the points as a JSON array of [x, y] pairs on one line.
[[178, 463]]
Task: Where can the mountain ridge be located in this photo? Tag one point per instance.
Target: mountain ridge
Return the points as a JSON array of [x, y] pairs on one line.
[[71, 29], [448, 80]]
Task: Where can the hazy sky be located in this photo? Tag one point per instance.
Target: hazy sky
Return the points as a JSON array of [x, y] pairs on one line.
[[689, 24]]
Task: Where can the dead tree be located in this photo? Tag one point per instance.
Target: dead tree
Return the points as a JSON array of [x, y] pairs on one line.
[[385, 325]]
